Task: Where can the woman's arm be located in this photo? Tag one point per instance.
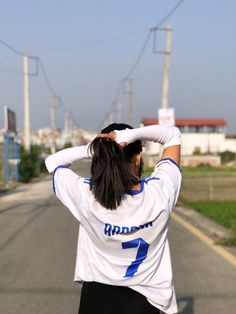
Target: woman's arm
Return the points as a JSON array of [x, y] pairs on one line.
[[172, 152], [169, 137], [66, 157]]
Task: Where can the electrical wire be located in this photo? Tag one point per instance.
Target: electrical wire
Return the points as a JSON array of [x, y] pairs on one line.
[[133, 68], [178, 4], [39, 60], [40, 63], [144, 46], [139, 57], [46, 77], [94, 43], [11, 48]]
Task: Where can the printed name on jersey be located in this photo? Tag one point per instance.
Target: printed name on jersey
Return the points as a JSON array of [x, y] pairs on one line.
[[110, 230]]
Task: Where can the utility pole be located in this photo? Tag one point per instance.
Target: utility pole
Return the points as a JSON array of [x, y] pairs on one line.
[[166, 115], [26, 103], [119, 111], [165, 84], [166, 52], [26, 75], [129, 91], [110, 118], [66, 127], [53, 123]]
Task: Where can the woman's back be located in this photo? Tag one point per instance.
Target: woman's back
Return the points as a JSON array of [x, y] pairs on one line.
[[127, 246], [123, 220]]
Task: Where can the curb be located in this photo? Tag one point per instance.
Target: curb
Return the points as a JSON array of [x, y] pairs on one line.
[[206, 226], [21, 190]]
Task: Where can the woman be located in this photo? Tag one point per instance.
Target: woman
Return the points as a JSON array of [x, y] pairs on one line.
[[123, 256]]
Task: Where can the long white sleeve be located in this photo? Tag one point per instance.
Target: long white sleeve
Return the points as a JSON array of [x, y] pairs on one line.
[[165, 135], [66, 157]]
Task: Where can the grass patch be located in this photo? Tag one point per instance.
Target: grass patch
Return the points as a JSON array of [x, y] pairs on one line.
[[222, 181], [206, 171], [201, 171], [222, 212], [227, 241]]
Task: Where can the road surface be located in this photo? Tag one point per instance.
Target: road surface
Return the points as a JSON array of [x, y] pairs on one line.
[[37, 258]]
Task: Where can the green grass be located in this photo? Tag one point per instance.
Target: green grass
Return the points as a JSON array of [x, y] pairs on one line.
[[206, 171], [222, 212], [227, 241], [201, 171]]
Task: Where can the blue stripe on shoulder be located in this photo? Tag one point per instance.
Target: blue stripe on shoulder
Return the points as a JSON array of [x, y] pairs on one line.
[[171, 160], [87, 180], [146, 180], [53, 179]]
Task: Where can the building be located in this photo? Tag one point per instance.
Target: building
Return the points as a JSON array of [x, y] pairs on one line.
[[199, 137]]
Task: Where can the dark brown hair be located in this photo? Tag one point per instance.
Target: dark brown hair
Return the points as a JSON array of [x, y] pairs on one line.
[[111, 175]]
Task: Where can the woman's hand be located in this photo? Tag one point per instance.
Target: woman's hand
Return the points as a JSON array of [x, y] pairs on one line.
[[112, 136]]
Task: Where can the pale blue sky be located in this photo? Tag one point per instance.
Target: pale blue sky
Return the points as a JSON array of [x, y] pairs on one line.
[[88, 47]]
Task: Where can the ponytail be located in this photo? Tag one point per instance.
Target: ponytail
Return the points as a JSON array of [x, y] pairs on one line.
[[110, 173]]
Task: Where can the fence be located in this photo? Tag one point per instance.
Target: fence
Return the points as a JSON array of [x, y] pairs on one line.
[[9, 160]]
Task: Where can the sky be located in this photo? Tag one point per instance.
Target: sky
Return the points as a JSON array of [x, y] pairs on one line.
[[88, 47]]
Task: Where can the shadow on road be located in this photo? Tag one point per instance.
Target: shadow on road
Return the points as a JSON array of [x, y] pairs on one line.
[[186, 305]]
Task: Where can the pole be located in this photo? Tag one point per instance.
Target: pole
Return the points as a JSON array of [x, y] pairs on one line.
[[53, 123], [165, 84], [119, 111], [110, 118], [66, 127], [130, 92], [26, 103], [128, 89]]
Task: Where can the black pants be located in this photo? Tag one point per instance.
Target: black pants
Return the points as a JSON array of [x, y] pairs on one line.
[[97, 298]]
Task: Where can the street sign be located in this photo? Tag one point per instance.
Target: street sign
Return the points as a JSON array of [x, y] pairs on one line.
[[166, 116], [10, 120]]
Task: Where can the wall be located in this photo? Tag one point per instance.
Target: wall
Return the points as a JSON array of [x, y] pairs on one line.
[[213, 143]]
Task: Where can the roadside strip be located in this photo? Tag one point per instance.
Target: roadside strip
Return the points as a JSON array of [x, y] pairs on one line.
[[208, 241]]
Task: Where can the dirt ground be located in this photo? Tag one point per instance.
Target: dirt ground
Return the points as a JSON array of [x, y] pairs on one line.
[[212, 187]]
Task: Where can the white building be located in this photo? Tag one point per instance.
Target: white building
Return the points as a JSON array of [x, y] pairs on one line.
[[199, 137]]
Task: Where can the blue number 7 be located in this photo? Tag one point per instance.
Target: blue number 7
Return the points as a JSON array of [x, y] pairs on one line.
[[140, 257]]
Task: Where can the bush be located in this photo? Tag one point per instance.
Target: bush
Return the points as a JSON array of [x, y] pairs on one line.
[[67, 145], [29, 166], [197, 151], [227, 156]]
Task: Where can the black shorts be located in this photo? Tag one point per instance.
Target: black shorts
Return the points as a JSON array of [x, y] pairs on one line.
[[97, 298]]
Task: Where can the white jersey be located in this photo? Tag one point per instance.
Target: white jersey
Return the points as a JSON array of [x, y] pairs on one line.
[[127, 246]]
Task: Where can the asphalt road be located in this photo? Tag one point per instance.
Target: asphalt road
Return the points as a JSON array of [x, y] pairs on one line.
[[37, 257]]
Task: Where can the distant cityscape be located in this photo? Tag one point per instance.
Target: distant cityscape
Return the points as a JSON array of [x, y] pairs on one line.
[[205, 136], [47, 137]]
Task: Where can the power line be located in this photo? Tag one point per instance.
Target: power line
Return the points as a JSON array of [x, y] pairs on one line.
[[94, 43], [178, 4], [132, 69], [139, 56], [148, 37], [39, 60], [46, 77], [144, 46], [11, 48]]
